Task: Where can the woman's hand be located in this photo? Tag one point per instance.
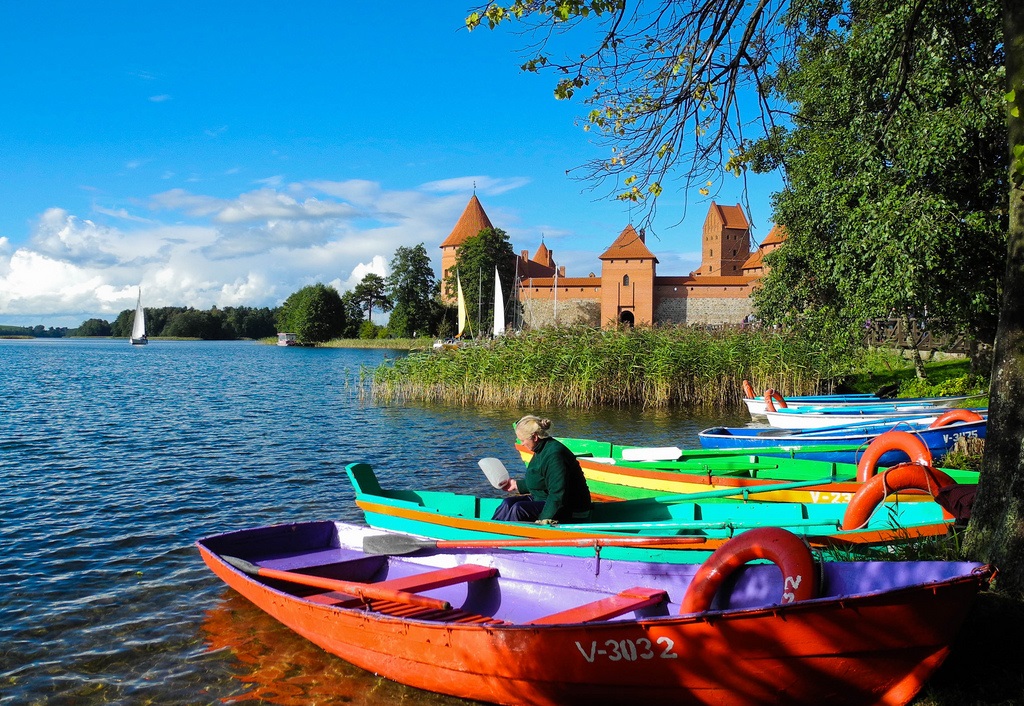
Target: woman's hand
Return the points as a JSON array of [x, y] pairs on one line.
[[510, 486]]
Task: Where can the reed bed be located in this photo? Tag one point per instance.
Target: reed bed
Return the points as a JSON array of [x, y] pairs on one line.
[[583, 367]]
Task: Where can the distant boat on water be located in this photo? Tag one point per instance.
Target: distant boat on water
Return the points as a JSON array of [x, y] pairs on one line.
[[138, 337], [287, 339]]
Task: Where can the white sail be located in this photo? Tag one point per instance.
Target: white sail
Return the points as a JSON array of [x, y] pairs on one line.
[[462, 307], [499, 306], [139, 326]]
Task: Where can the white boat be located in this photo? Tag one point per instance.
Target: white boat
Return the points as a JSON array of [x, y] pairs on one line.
[[287, 339], [761, 406], [790, 419], [138, 337]]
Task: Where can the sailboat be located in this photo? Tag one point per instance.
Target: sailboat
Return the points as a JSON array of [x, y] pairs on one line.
[[462, 307], [138, 337], [499, 307], [453, 343]]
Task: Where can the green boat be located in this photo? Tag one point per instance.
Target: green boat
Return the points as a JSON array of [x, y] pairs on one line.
[[680, 529], [621, 472]]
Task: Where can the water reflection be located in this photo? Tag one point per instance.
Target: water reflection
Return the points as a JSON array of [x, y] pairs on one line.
[[273, 665]]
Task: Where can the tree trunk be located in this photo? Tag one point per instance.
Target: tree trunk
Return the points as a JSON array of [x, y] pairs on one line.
[[912, 338], [996, 531]]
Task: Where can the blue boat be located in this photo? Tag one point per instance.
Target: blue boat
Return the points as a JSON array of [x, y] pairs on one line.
[[846, 443]]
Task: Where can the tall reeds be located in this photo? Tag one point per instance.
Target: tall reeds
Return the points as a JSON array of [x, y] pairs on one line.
[[583, 367]]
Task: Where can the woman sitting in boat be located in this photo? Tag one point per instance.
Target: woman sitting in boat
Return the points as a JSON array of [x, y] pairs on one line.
[[554, 489]]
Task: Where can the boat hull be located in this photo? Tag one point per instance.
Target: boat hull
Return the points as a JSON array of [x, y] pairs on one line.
[[701, 528], [757, 407], [939, 441], [785, 419], [846, 650]]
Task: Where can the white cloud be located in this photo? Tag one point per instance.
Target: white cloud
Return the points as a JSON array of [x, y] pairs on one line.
[[201, 250], [163, 97]]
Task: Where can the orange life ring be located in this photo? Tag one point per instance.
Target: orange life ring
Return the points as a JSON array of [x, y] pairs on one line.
[[905, 476], [780, 546], [748, 390], [904, 441], [770, 395], [955, 415]]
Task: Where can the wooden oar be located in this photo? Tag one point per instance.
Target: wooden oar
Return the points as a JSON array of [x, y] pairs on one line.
[[365, 591], [729, 492], [693, 525], [395, 544]]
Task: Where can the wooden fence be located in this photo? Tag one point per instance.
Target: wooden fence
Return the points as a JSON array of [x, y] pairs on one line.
[[894, 333]]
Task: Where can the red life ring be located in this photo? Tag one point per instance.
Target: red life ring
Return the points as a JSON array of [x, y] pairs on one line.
[[905, 476], [780, 546], [904, 441], [770, 395], [955, 415], [748, 390]]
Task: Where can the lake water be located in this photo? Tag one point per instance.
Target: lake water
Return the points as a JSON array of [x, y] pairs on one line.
[[114, 459]]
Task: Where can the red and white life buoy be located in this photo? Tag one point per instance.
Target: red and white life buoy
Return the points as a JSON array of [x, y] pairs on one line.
[[769, 396], [904, 441], [905, 476], [955, 415], [777, 545], [748, 390]]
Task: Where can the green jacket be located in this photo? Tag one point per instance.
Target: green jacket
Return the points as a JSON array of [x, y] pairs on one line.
[[554, 476]]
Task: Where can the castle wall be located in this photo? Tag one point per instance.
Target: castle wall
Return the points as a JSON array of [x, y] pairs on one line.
[[702, 310], [538, 313]]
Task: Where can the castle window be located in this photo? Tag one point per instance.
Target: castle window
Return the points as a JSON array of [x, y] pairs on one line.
[[625, 280], [711, 253]]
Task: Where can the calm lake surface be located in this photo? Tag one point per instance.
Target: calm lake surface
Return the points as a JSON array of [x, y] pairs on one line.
[[114, 459]]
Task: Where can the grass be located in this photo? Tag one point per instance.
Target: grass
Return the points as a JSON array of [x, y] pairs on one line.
[[583, 367]]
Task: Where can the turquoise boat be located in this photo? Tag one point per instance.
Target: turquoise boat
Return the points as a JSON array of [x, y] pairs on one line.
[[680, 529]]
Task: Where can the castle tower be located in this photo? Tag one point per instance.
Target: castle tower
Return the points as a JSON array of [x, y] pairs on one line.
[[627, 280], [470, 223], [726, 242]]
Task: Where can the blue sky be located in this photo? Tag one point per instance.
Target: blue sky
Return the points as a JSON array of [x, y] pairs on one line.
[[230, 153]]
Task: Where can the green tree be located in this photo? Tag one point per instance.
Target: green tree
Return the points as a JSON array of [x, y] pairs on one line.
[[194, 323], [475, 263], [372, 292], [93, 327], [249, 322], [410, 286], [314, 313], [353, 315], [890, 205], [662, 70]]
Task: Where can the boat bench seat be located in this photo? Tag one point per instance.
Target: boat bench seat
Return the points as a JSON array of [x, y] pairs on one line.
[[412, 584], [439, 578], [606, 608]]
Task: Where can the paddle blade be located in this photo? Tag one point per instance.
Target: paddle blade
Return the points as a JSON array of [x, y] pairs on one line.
[[242, 565], [395, 544], [495, 471]]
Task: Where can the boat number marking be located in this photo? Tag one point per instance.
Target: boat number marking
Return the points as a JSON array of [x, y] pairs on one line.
[[792, 582], [629, 650], [818, 496], [946, 438]]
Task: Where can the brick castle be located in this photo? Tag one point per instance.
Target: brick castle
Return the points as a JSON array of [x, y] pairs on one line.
[[629, 289]]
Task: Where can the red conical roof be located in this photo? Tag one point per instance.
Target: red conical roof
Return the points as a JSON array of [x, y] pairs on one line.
[[471, 222]]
